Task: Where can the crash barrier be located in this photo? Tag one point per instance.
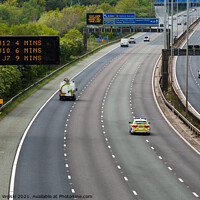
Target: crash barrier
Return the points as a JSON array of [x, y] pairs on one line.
[[57, 70], [195, 130], [178, 40]]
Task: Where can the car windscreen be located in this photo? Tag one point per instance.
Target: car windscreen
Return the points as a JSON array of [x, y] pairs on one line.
[[140, 122]]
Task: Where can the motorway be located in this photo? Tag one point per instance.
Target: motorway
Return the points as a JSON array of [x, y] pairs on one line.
[[85, 148], [193, 67], [156, 167]]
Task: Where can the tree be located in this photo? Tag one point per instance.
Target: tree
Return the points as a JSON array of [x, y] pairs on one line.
[[9, 14], [10, 83], [51, 19], [127, 6], [4, 29], [55, 4], [31, 29], [106, 8], [11, 2]]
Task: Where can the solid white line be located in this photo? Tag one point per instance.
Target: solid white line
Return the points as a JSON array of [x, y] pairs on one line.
[[12, 180], [158, 106]]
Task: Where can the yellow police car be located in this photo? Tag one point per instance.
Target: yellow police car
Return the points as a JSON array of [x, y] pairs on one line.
[[140, 125]]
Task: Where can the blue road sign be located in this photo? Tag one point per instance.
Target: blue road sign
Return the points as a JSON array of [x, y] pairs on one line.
[[109, 22], [119, 15], [124, 21], [146, 21], [137, 21]]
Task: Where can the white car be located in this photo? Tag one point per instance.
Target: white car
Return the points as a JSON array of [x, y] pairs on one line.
[[124, 42], [146, 39], [132, 40]]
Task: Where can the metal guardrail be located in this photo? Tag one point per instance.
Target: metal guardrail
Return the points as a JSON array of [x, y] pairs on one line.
[[54, 72], [180, 116], [174, 110]]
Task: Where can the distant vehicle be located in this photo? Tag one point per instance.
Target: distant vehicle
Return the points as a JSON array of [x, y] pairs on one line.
[[124, 42], [185, 23], [146, 38], [185, 15], [132, 40], [140, 125], [67, 90], [161, 25], [193, 9], [170, 22], [179, 23], [199, 73]]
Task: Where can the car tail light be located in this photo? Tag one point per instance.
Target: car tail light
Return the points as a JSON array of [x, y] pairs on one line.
[[134, 126], [147, 126]]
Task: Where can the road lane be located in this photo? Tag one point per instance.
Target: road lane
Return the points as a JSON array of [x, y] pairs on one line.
[[91, 166], [41, 168], [193, 67], [147, 174]]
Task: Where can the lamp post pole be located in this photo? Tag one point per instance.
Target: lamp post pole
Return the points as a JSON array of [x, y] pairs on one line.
[[186, 107], [172, 24], [165, 24]]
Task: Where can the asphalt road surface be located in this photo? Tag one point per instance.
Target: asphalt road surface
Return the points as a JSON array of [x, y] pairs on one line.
[[108, 163], [193, 67], [84, 148], [41, 168]]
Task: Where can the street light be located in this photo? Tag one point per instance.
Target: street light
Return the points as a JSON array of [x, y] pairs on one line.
[[187, 61], [165, 23], [172, 21], [177, 19]]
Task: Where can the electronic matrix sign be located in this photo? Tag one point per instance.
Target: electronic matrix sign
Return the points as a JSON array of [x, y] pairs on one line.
[[94, 18], [29, 50]]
